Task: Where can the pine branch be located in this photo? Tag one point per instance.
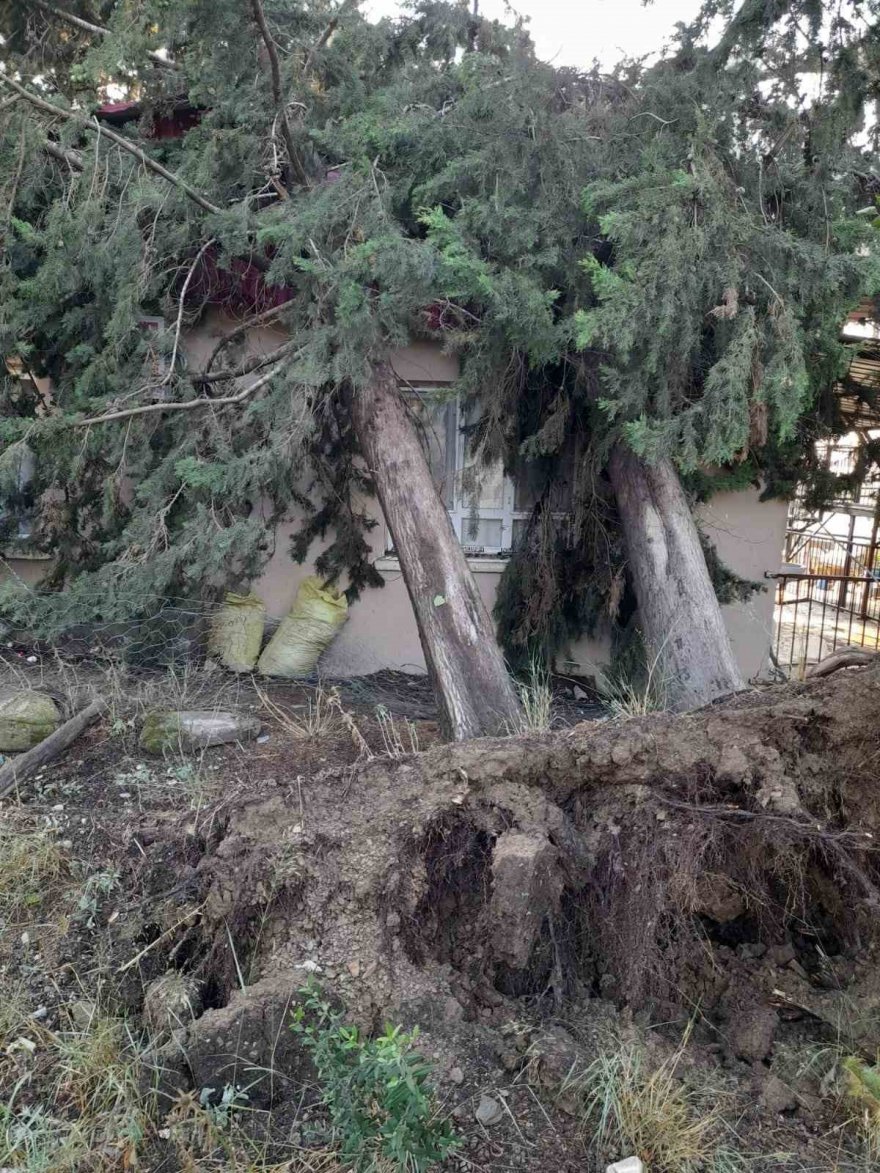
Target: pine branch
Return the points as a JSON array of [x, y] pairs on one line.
[[187, 405], [255, 363], [261, 319], [97, 29], [278, 95], [96, 127], [70, 158]]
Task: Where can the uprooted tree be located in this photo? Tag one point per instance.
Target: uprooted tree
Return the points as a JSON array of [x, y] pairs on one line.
[[644, 277]]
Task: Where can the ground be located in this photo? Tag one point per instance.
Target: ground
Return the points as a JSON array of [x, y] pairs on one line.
[[653, 935]]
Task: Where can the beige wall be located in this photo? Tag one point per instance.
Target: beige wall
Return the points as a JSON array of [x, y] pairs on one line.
[[381, 630]]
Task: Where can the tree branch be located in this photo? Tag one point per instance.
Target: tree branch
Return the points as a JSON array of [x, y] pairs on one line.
[[255, 363], [187, 405], [278, 95], [123, 143], [97, 29], [73, 161], [261, 319]]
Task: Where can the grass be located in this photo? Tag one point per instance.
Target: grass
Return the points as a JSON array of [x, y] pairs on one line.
[[72, 1099], [536, 700], [32, 866], [630, 1106]]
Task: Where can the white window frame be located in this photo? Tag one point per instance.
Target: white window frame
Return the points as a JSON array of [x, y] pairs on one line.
[[461, 511]]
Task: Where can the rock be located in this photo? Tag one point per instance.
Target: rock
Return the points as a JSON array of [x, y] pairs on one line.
[[579, 694], [249, 1042], [526, 885], [554, 1056], [627, 1165], [717, 898], [774, 1095], [750, 1032], [193, 730], [456, 1075], [81, 1013], [488, 1112], [26, 719], [171, 1003]]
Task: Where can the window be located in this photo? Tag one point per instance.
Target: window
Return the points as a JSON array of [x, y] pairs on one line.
[[488, 510]]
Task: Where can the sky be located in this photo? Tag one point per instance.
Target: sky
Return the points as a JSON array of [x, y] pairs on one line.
[[574, 32]]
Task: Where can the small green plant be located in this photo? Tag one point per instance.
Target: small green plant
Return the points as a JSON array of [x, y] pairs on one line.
[[377, 1090], [95, 890], [863, 1092]]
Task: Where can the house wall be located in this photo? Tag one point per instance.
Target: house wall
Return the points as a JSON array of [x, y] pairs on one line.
[[381, 631]]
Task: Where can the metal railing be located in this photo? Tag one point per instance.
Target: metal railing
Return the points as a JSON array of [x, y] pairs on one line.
[[818, 613]]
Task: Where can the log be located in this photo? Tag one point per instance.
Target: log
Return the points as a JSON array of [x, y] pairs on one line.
[[474, 691], [687, 641], [23, 765], [842, 658]]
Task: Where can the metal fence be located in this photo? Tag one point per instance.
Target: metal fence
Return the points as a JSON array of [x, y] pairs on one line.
[[819, 612]]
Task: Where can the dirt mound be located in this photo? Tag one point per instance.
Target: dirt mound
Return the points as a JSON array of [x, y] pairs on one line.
[[717, 869]]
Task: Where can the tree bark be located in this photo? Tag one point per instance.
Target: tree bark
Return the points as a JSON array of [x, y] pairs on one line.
[[467, 669], [678, 608]]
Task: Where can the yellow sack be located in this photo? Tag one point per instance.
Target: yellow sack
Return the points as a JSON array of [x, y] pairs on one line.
[[317, 614], [236, 634]]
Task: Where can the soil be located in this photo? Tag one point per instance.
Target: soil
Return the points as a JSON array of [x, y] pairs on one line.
[[702, 887]]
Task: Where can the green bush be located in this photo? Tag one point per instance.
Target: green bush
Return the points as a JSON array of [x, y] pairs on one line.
[[376, 1090]]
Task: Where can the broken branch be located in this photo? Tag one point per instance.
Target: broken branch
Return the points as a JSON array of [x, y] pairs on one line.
[[99, 30]]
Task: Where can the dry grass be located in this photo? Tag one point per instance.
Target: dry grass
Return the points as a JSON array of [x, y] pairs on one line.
[[862, 1084], [32, 866], [631, 1106]]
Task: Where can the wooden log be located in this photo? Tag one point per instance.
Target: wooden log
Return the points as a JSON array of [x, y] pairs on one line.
[[842, 658], [21, 766]]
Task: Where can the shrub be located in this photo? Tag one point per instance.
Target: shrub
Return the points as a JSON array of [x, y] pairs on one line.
[[377, 1090]]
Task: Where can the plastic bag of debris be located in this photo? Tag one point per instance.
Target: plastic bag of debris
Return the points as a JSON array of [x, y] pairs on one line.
[[236, 634], [314, 621], [26, 718]]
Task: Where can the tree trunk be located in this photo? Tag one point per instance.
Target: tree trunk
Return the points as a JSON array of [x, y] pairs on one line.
[[678, 608], [465, 663]]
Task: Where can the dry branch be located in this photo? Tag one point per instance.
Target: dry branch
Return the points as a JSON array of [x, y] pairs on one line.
[[19, 767]]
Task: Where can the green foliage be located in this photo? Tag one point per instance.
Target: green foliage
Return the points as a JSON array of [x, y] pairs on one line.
[[661, 257], [376, 1090]]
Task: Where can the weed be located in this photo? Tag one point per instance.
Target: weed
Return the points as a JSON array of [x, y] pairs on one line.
[[630, 1107], [863, 1092], [536, 700], [31, 866], [94, 1113], [376, 1090], [397, 742], [322, 715], [97, 887]]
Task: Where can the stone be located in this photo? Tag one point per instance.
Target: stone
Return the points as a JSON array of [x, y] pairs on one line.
[[488, 1112], [627, 1165], [775, 1095], [26, 719], [527, 882], [456, 1075], [750, 1032], [165, 730]]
